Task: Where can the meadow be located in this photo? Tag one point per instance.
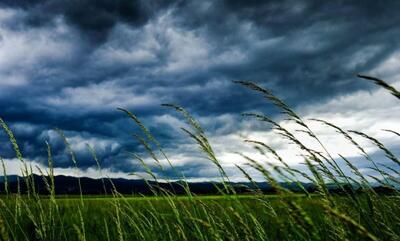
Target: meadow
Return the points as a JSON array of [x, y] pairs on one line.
[[357, 211]]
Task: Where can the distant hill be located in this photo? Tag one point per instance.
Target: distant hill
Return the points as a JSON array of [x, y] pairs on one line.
[[11, 178], [70, 185]]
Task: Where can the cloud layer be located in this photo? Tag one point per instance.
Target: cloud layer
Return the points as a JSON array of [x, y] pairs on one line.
[[70, 64]]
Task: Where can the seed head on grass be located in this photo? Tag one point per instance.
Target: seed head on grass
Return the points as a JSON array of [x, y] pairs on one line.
[[12, 139], [382, 83], [379, 144], [197, 133], [274, 99], [393, 132]]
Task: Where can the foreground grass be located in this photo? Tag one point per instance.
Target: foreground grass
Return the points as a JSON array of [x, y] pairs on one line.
[[200, 218], [359, 213]]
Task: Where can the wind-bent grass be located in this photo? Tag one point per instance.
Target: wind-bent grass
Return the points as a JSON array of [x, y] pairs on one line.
[[358, 213]]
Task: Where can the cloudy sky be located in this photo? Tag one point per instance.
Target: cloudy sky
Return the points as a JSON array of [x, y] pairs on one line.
[[70, 64]]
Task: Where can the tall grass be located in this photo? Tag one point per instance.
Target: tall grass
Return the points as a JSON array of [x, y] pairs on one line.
[[358, 213]]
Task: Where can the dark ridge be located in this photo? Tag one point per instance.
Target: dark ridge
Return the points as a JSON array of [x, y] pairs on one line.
[[67, 185]]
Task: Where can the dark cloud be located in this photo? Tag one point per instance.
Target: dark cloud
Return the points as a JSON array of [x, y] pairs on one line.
[[93, 18], [69, 64]]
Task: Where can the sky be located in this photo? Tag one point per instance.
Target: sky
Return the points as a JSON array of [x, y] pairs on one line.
[[71, 64]]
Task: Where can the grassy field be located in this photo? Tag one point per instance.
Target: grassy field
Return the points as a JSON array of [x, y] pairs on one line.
[[202, 218], [358, 213]]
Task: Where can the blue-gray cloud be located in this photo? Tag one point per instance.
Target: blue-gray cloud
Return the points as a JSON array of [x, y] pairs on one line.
[[69, 64]]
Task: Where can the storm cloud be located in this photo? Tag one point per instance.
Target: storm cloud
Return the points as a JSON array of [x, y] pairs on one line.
[[70, 64]]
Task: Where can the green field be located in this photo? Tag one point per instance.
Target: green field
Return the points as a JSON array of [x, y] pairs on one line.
[[201, 218]]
